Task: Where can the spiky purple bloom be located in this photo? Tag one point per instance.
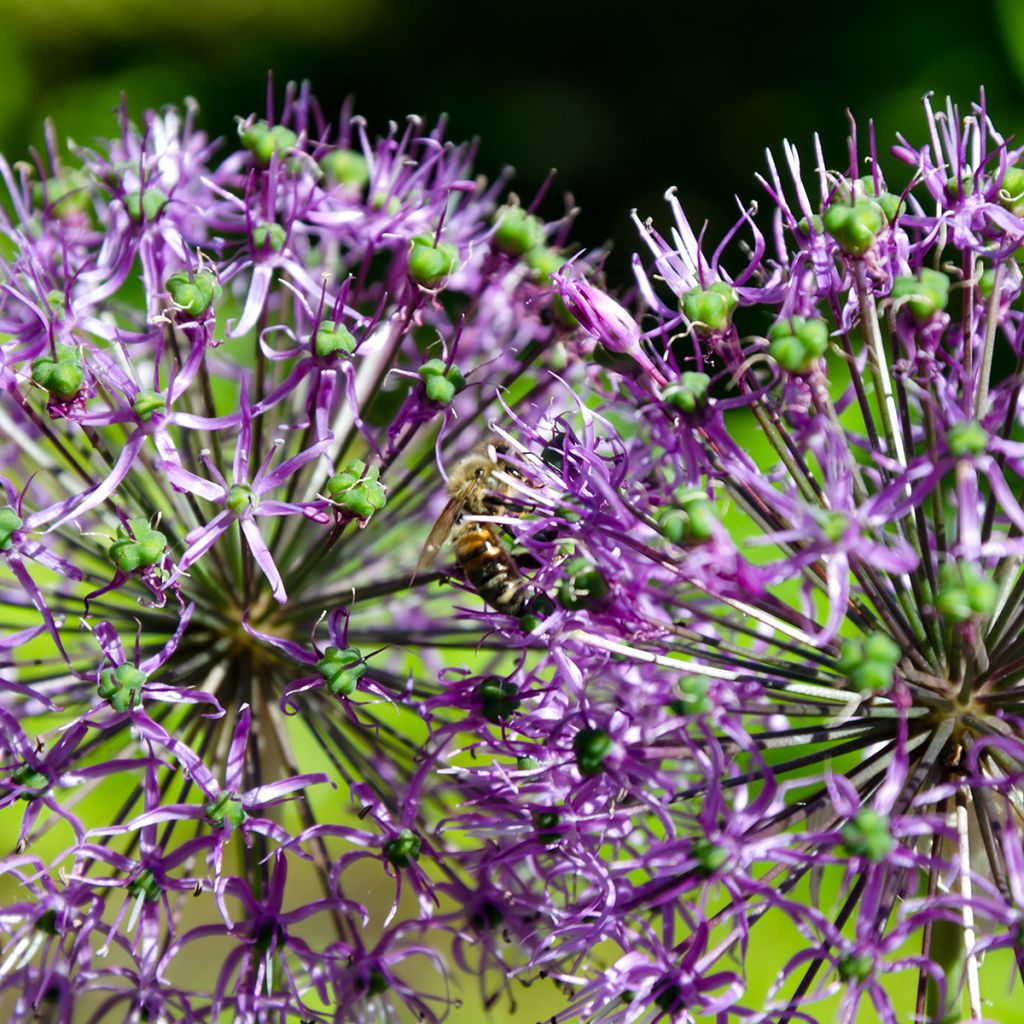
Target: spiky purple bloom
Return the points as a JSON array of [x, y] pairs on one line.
[[228, 373], [777, 672]]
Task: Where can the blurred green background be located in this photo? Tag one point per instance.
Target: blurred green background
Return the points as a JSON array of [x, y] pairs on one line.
[[623, 100]]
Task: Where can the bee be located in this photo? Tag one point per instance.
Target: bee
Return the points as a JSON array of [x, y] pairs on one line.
[[474, 488]]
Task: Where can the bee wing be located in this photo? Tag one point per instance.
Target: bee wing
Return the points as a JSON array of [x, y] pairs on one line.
[[442, 528]]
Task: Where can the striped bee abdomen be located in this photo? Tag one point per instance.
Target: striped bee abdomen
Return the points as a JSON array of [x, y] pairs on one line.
[[490, 568]]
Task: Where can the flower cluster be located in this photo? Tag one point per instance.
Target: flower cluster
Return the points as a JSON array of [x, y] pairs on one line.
[[778, 672], [732, 631], [228, 375]]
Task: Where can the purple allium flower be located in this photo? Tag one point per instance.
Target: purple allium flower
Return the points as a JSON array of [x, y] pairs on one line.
[[229, 371], [798, 658]]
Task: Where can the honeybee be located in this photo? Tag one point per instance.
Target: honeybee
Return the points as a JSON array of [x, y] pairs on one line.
[[475, 489]]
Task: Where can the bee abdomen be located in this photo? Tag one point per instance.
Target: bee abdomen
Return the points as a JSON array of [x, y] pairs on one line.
[[490, 568]]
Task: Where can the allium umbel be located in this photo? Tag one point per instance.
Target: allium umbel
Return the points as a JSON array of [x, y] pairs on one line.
[[267, 759], [814, 540], [230, 373]]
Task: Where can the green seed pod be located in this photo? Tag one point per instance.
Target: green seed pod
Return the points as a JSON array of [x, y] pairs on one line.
[[544, 822], [9, 522], [341, 670], [331, 338], [544, 262], [711, 309], [689, 394], [591, 747], [145, 206], [146, 403], [269, 234], [357, 489], [346, 167], [226, 810], [240, 499], [709, 855], [797, 344], [584, 588], [924, 295], [854, 227], [263, 141], [517, 231], [855, 966], [867, 835], [429, 265], [193, 295], [967, 438], [403, 849], [499, 698]]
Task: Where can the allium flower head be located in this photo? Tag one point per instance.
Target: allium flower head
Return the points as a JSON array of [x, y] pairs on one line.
[[803, 665], [229, 373]]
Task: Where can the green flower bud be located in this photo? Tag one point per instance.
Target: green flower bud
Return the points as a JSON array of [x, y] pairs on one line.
[[429, 265], [9, 522], [517, 231], [864, 189], [263, 141], [527, 763], [544, 262], [584, 588], [797, 344], [65, 195], [240, 499], [924, 295], [855, 966], [357, 489], [967, 438], [667, 998], [1011, 192], [341, 668], [269, 234], [965, 591], [376, 983], [403, 849], [499, 698], [331, 338], [867, 835], [834, 525], [146, 403], [816, 223], [591, 747], [145, 205], [537, 610], [143, 547], [869, 664], [440, 390], [226, 810], [854, 227], [545, 822], [709, 855], [694, 696], [346, 167], [382, 201], [987, 284], [440, 384], [712, 308], [691, 521], [145, 885], [194, 294], [689, 394], [121, 686], [30, 781], [63, 376]]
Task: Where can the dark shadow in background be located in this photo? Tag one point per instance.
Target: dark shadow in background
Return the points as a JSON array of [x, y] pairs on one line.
[[623, 103]]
